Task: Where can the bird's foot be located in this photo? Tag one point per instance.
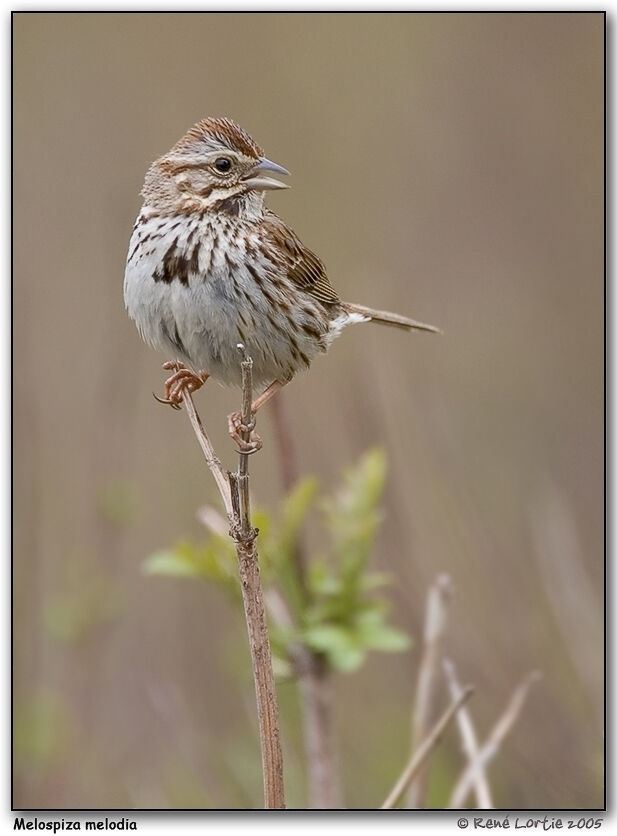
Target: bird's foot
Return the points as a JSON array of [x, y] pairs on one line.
[[183, 379], [240, 432]]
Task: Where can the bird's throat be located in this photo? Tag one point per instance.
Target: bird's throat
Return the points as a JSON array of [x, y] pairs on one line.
[[245, 206]]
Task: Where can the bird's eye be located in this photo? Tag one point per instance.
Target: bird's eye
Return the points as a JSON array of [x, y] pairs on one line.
[[222, 164]]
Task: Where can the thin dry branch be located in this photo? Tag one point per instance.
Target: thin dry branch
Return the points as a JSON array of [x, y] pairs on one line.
[[314, 677], [239, 482], [469, 740], [212, 459], [235, 496], [491, 747], [435, 624], [422, 752], [263, 675]]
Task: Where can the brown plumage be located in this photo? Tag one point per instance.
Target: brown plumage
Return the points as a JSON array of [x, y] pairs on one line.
[[209, 266]]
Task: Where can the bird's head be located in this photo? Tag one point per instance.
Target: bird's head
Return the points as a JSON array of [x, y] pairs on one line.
[[216, 165]]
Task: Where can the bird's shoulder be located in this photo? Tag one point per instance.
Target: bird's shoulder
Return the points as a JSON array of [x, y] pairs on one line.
[[302, 266]]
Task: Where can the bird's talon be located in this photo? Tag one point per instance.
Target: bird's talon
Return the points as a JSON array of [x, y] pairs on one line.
[[167, 401], [181, 380], [238, 431], [248, 447]]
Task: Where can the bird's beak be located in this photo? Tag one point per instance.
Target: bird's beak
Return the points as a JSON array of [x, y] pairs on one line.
[[253, 180]]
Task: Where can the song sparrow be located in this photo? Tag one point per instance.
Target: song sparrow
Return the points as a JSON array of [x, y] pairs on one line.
[[210, 267]]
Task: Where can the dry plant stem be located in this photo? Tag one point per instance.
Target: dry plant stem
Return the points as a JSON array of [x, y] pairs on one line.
[[421, 754], [323, 778], [314, 682], [314, 678], [235, 495], [491, 747], [208, 450], [435, 624], [242, 478], [248, 566], [263, 676], [469, 740]]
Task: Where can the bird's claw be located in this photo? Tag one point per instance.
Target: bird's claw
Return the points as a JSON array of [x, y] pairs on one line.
[[168, 401], [239, 431], [183, 379]]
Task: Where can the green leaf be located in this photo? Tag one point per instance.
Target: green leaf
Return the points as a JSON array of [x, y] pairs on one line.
[[362, 485], [216, 562], [373, 633], [170, 563], [262, 521], [352, 514], [325, 637], [277, 549], [386, 639], [336, 613], [321, 581], [281, 667], [337, 643], [348, 659]]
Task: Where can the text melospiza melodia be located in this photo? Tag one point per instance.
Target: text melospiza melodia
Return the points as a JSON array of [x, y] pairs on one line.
[[210, 267]]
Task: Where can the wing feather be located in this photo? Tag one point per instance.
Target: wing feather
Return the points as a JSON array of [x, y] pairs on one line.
[[303, 267]]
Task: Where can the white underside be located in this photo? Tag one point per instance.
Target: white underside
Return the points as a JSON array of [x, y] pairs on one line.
[[220, 309]]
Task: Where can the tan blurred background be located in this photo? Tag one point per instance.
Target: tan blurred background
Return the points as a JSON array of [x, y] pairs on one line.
[[447, 166]]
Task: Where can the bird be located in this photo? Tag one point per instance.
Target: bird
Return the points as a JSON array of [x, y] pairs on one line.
[[210, 267]]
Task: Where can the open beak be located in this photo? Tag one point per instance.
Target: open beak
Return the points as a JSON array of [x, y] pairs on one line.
[[254, 179]]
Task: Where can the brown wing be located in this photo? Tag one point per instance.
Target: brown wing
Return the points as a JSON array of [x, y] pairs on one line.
[[303, 266]]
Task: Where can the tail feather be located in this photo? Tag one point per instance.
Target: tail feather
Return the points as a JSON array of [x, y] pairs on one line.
[[388, 318]]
